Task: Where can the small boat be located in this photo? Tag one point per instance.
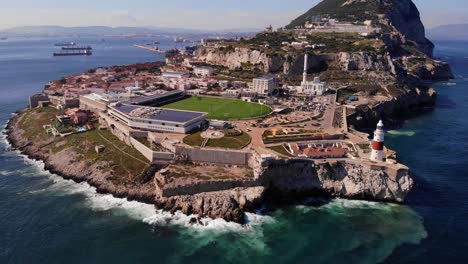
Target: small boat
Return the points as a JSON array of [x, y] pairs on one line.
[[73, 53], [3, 38], [65, 44], [77, 48]]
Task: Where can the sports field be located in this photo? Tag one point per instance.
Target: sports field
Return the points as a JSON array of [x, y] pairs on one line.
[[221, 108]]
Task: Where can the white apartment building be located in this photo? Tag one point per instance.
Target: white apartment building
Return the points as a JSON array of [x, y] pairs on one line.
[[203, 71], [265, 85]]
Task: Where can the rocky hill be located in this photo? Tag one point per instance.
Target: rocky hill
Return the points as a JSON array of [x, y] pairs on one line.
[[400, 20], [343, 10]]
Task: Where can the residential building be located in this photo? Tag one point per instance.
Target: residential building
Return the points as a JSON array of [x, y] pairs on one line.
[[203, 71], [265, 85]]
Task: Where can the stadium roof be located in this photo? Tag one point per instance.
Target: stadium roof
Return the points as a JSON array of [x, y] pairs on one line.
[[143, 99], [159, 114]]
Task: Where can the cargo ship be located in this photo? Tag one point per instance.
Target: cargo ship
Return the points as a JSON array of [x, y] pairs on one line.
[[73, 53], [77, 48], [65, 44]]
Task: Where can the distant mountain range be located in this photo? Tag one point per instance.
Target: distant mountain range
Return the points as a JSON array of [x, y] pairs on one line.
[[454, 32], [41, 31]]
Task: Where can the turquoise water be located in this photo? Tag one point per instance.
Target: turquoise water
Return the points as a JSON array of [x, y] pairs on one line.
[[45, 219]]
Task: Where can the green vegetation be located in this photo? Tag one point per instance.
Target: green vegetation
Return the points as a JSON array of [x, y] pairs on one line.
[[273, 39], [357, 11], [126, 163], [281, 150], [122, 159], [32, 122], [194, 140], [221, 108], [345, 42], [229, 141]]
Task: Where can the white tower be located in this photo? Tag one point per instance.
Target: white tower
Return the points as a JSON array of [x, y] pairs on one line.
[[306, 66], [378, 143]]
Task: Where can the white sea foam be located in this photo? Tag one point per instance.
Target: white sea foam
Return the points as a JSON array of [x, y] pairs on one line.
[[448, 83], [135, 210], [402, 133]]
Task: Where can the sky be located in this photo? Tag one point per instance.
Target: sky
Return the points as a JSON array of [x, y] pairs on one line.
[[190, 14]]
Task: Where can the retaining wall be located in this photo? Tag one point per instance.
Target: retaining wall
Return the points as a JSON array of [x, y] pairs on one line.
[[206, 186], [214, 156]]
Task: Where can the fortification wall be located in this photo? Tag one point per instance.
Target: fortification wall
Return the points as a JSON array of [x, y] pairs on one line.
[[214, 156], [205, 186]]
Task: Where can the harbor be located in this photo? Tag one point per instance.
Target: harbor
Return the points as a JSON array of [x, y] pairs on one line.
[[150, 48]]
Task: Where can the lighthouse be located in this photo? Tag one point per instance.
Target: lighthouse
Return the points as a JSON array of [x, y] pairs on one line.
[[378, 143]]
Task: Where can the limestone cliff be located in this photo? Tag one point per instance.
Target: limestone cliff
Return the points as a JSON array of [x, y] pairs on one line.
[[411, 102], [237, 57], [346, 179], [404, 22]]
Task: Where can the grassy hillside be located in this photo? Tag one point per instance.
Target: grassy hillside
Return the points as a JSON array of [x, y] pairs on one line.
[[356, 11]]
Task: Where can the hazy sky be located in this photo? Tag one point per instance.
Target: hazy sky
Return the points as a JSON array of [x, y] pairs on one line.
[[199, 14]]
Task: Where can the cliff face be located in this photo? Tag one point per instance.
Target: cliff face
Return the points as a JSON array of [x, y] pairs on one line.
[[365, 61], [239, 56], [404, 19], [293, 64], [392, 111], [341, 179]]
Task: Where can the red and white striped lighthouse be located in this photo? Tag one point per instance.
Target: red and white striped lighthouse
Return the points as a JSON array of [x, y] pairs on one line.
[[378, 143]]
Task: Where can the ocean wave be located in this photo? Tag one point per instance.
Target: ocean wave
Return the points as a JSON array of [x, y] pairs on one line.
[[146, 213], [448, 83], [406, 133]]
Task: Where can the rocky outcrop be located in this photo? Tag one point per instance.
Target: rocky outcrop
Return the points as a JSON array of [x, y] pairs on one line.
[[229, 205], [293, 64], [394, 110], [365, 61], [431, 70], [346, 179], [237, 57], [405, 22]]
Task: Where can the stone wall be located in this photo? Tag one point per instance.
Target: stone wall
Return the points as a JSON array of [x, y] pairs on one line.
[[213, 156], [205, 186], [149, 153], [35, 99], [88, 104]]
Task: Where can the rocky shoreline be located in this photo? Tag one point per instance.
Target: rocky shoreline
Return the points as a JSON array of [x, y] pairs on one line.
[[229, 205], [277, 179]]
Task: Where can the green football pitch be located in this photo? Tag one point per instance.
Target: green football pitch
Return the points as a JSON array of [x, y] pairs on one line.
[[221, 108]]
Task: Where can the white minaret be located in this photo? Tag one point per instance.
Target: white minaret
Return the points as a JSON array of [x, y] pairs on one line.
[[378, 143], [306, 66]]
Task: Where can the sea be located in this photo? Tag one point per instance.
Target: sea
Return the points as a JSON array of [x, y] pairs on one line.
[[46, 219]]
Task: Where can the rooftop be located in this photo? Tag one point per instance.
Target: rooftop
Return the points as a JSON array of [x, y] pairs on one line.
[[143, 99], [266, 77], [158, 113]]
